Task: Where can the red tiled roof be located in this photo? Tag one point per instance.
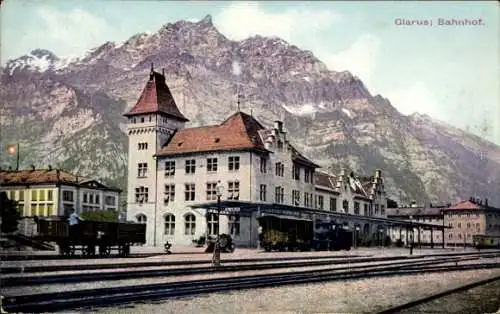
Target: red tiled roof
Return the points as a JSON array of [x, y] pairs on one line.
[[156, 98], [466, 205], [40, 176], [43, 176], [239, 131], [325, 180]]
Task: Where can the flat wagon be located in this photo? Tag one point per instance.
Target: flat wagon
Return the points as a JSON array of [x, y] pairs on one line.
[[91, 236]]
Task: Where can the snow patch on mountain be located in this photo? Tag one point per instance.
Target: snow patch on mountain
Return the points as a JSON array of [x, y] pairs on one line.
[[347, 112], [305, 109]]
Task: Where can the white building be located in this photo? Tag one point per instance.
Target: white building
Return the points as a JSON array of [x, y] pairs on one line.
[[171, 168], [53, 192]]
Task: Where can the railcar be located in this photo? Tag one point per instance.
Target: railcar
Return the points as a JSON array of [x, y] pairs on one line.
[[282, 233], [482, 241], [89, 236]]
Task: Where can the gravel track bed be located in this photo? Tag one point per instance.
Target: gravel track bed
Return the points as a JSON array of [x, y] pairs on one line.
[[358, 296], [21, 290], [478, 300]]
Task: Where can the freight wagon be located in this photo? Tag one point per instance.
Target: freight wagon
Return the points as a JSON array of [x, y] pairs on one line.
[[282, 233], [482, 241], [89, 236]]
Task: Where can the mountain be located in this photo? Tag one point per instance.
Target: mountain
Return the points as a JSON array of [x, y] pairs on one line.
[[69, 112]]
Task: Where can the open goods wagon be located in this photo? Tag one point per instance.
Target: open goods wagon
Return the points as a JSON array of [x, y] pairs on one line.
[[89, 236]]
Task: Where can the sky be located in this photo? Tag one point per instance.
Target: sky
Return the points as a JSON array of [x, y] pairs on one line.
[[448, 72]]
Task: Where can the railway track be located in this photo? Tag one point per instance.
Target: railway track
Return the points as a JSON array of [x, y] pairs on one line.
[[41, 257], [50, 302], [415, 303], [82, 276], [58, 268]]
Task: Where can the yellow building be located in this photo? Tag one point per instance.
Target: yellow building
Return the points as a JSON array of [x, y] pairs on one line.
[[53, 192]]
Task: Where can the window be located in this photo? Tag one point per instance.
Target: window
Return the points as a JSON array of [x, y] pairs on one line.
[[263, 164], [459, 236], [212, 164], [308, 199], [450, 236], [21, 196], [477, 227], [141, 218], [189, 192], [296, 172], [213, 224], [142, 146], [141, 194], [91, 198], [211, 191], [169, 194], [306, 175], [333, 204], [234, 163], [97, 199], [142, 169], [169, 224], [279, 194], [321, 202], [280, 144], [50, 195], [68, 196], [233, 190], [170, 168], [190, 166], [365, 209], [142, 119], [234, 225], [296, 197], [356, 208], [468, 225], [459, 225], [263, 192], [34, 195], [190, 224], [345, 206], [382, 209], [85, 197], [50, 208], [110, 200], [280, 169], [41, 195], [376, 209]]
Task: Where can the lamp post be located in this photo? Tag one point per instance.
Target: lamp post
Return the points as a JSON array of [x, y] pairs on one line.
[[356, 230], [411, 240], [216, 257]]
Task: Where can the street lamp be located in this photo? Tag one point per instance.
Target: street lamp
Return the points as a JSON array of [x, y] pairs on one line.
[[216, 258], [411, 240], [356, 236]]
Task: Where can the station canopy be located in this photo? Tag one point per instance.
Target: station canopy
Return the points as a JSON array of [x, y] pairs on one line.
[[245, 208]]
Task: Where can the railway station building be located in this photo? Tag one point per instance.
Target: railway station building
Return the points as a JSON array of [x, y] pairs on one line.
[[174, 174]]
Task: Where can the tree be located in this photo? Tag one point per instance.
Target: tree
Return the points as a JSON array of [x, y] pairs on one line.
[[10, 214], [101, 215]]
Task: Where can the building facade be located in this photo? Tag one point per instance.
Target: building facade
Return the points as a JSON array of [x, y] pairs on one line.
[[53, 192], [468, 218], [431, 215], [171, 168]]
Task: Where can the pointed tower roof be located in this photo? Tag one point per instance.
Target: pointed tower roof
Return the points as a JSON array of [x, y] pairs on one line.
[[238, 132], [156, 98]]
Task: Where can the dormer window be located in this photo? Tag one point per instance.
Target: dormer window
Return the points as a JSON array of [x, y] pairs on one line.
[[142, 120]]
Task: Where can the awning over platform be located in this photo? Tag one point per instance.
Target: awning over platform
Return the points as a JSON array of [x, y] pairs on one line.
[[284, 217], [298, 213]]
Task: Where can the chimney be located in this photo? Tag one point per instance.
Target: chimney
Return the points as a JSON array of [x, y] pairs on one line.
[[278, 125], [430, 205], [32, 167], [480, 202], [50, 167], [58, 174], [378, 173], [486, 202]]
